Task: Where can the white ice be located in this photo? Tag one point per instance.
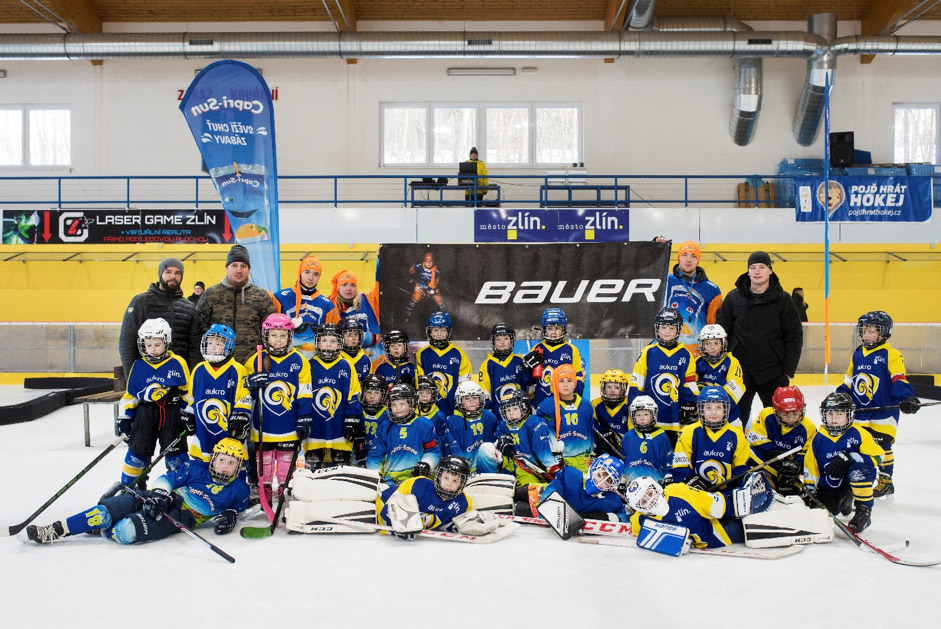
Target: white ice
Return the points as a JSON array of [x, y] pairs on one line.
[[531, 579]]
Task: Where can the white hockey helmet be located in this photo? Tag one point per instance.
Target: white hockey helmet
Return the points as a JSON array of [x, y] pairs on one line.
[[713, 331], [470, 389], [644, 403], [154, 329], [644, 494]]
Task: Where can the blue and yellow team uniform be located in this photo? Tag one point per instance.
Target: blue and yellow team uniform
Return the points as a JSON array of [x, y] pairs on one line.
[[668, 376], [361, 363], [371, 424], [876, 377], [533, 441], [312, 308], [437, 512], [196, 498], [285, 398], [727, 373], [647, 454], [464, 436], [449, 367], [498, 377], [576, 428], [863, 450], [769, 438], [570, 483], [152, 402], [392, 373], [214, 394], [617, 419], [713, 455], [336, 390], [697, 510], [439, 421], [552, 357], [397, 448]]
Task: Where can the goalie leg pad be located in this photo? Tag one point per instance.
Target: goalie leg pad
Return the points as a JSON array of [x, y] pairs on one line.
[[661, 537], [491, 484], [302, 517], [786, 527], [335, 483]]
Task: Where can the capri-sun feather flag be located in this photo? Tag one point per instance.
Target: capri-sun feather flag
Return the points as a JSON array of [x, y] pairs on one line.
[[228, 109]]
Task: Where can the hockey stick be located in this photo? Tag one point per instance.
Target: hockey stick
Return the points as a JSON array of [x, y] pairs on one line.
[[116, 487], [532, 468], [258, 532], [506, 528], [891, 407], [755, 468], [591, 527], [183, 529], [748, 553], [16, 528], [614, 449], [860, 541], [262, 498]]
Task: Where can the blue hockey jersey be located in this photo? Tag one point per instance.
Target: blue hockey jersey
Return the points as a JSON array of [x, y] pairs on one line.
[[552, 357], [714, 455], [150, 383], [570, 484], [436, 511], [464, 437], [286, 397], [449, 367], [214, 394], [726, 373], [498, 377], [647, 455], [669, 377], [697, 510], [200, 493], [576, 428], [397, 448], [876, 377], [336, 392], [403, 372]]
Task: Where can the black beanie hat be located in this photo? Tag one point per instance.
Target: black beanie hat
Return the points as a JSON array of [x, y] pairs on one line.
[[238, 253], [759, 257], [168, 262]]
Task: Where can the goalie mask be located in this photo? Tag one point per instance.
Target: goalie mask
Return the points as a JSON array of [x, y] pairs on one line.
[[645, 495], [713, 343], [613, 387], [395, 343], [328, 342], [277, 334], [667, 326], [353, 334], [648, 419], [470, 398], [604, 474], [554, 326], [402, 403], [505, 336], [713, 407], [373, 385], [153, 340], [874, 328], [217, 343], [228, 457], [439, 321], [515, 408], [450, 476], [789, 406], [836, 413]]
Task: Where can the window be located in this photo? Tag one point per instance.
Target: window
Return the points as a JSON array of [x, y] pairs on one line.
[[506, 134], [916, 133], [35, 136]]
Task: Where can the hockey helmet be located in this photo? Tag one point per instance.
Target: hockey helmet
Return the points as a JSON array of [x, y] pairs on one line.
[[644, 494], [667, 318], [327, 331], [789, 405], [881, 321], [644, 403], [707, 416], [455, 466], [440, 319], [154, 329], [401, 391], [604, 473], [708, 333], [470, 390], [224, 470], [620, 381], [554, 326], [220, 332], [836, 413], [374, 382], [502, 329], [352, 334], [393, 338], [277, 321]]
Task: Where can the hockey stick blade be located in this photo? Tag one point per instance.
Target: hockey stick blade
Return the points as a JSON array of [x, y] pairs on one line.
[[16, 528], [775, 553], [591, 527], [506, 528]]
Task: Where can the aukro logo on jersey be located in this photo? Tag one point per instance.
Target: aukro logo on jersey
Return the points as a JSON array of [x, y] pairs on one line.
[[567, 292]]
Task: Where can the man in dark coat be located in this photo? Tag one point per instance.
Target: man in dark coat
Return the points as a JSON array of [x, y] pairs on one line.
[[764, 329], [163, 299]]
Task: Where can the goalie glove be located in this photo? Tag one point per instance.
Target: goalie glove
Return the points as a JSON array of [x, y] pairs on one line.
[[754, 497], [403, 515], [476, 523]]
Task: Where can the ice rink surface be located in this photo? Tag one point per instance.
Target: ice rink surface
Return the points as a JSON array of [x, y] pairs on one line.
[[531, 579]]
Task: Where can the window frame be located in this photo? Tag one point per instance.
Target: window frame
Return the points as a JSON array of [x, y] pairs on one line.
[[919, 105], [25, 110]]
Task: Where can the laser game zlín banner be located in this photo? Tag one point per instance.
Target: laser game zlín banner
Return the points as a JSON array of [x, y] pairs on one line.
[[607, 290]]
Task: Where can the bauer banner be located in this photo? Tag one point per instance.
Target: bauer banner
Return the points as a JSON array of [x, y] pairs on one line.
[[864, 199], [607, 290], [550, 225], [228, 110]]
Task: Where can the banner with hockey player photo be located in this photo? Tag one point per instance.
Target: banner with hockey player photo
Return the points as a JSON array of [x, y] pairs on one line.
[[228, 110], [864, 199], [607, 290]]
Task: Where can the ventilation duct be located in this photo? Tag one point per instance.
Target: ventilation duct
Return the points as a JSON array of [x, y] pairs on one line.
[[820, 69], [640, 15]]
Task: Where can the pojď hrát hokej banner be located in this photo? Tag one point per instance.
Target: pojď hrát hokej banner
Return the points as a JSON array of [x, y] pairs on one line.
[[228, 109], [607, 290], [864, 199]]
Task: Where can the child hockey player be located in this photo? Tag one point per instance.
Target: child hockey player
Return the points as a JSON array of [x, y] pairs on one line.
[[183, 493], [779, 428], [666, 372], [405, 446], [305, 305], [442, 360], [470, 426], [150, 408], [646, 447], [336, 405], [840, 464], [352, 333], [280, 377], [611, 412], [876, 377], [570, 417], [425, 276], [428, 407], [350, 303], [394, 364], [591, 494], [502, 369], [553, 350], [374, 413], [221, 404], [715, 366]]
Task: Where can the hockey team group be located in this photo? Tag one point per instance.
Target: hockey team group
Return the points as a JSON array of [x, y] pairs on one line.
[[661, 449]]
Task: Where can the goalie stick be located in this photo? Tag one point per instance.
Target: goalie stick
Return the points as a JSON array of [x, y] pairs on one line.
[[770, 553], [259, 532], [506, 528], [863, 543], [16, 528]]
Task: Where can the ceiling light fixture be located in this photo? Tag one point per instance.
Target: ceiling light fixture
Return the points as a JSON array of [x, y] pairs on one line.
[[481, 71]]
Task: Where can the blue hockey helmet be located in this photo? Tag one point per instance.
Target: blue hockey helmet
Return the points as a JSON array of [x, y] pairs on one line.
[[440, 319], [836, 413], [878, 319], [556, 319], [713, 395], [604, 474], [353, 344], [668, 317], [226, 335]]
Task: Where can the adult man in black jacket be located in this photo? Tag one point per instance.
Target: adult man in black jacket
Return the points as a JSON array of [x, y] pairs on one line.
[[764, 329], [163, 299]]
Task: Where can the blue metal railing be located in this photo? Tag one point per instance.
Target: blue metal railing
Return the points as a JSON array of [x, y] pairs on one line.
[[577, 189]]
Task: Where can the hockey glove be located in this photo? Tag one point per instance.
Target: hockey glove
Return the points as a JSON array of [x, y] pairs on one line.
[[838, 465], [125, 425], [255, 381], [505, 446], [350, 428], [789, 472], [302, 426], [421, 469], [157, 503], [688, 413], [809, 494], [238, 425], [697, 482], [608, 442], [910, 405], [189, 421], [172, 398], [226, 521], [532, 360]]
